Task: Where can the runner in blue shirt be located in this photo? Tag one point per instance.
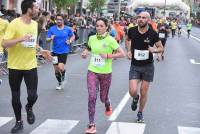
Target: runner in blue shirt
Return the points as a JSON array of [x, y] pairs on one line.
[[62, 36]]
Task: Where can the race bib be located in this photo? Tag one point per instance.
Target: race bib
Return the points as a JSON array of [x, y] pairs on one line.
[[30, 43], [97, 60], [141, 54], [161, 35], [55, 60]]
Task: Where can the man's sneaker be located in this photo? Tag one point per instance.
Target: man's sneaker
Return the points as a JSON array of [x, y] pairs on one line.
[[108, 111], [0, 81], [18, 127], [140, 118], [91, 129], [59, 86], [63, 84], [134, 103], [30, 115]]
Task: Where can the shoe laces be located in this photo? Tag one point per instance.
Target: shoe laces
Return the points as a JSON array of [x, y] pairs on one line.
[[140, 115]]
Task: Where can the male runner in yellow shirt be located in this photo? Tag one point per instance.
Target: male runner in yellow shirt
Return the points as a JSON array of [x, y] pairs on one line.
[[20, 39]]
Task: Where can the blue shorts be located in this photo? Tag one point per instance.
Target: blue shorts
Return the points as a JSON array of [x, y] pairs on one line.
[[145, 72]]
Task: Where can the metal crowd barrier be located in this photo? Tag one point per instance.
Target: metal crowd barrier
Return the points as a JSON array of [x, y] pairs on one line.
[[77, 45], [3, 64]]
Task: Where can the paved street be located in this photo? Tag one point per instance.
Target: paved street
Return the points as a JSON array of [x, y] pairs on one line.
[[173, 104]]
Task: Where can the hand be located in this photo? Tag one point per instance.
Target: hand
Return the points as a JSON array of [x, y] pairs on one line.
[[27, 37], [52, 37], [159, 57], [68, 42], [47, 55], [129, 55], [151, 49], [103, 56], [84, 54]]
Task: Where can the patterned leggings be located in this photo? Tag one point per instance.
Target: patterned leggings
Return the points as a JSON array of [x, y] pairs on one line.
[[94, 81]]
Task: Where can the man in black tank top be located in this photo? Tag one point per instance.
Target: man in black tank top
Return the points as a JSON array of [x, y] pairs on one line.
[[143, 42]]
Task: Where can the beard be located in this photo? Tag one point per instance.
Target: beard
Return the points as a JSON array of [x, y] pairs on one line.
[[142, 25]]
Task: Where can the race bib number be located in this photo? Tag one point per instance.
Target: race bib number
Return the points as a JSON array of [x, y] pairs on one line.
[[161, 35], [30, 43], [97, 60], [141, 54], [55, 60]]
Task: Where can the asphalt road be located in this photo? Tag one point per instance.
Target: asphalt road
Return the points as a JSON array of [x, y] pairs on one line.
[[173, 103]]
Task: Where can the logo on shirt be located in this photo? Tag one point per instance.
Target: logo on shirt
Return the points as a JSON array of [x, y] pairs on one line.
[[147, 40], [104, 45]]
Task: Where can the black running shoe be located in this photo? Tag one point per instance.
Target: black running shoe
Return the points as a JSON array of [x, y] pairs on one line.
[[30, 115], [140, 118], [18, 127], [134, 103]]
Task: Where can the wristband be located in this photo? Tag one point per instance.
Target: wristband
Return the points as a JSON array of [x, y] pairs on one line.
[[109, 56]]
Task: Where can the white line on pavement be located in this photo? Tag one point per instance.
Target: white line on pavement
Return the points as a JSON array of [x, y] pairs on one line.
[[4, 120], [192, 36], [126, 128], [119, 108], [188, 130], [194, 62], [51, 126]]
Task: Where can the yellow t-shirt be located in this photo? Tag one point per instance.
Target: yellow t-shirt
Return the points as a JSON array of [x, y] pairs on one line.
[[3, 26], [22, 56], [174, 25]]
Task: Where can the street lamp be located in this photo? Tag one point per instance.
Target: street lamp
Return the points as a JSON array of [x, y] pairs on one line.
[[165, 8], [119, 8], [68, 9]]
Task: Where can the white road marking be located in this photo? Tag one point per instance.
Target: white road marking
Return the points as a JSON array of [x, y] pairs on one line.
[[4, 120], [194, 62], [51, 126], [119, 108], [126, 128], [192, 36], [188, 130]]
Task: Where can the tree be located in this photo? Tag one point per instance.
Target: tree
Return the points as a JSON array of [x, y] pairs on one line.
[[64, 4], [96, 5]]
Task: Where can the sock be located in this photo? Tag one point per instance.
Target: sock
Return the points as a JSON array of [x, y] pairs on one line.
[[63, 75], [58, 77]]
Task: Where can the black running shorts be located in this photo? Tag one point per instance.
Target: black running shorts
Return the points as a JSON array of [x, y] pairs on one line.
[[62, 58], [145, 72]]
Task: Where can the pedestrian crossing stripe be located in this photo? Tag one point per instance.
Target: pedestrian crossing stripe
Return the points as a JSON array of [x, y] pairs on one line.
[[52, 126], [126, 128], [4, 120], [194, 62], [188, 130]]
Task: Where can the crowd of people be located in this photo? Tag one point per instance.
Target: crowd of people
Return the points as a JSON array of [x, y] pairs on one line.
[[141, 36]]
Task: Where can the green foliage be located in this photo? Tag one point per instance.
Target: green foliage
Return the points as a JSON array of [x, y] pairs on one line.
[[64, 4], [96, 5]]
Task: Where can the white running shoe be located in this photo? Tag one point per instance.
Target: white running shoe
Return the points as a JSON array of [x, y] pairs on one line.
[[59, 86], [0, 81]]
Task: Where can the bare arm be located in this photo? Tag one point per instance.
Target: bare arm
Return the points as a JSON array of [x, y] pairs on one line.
[[119, 53], [85, 53], [13, 42], [159, 48]]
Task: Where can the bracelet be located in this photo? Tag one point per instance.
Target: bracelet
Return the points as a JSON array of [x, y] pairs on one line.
[[155, 50], [109, 56]]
